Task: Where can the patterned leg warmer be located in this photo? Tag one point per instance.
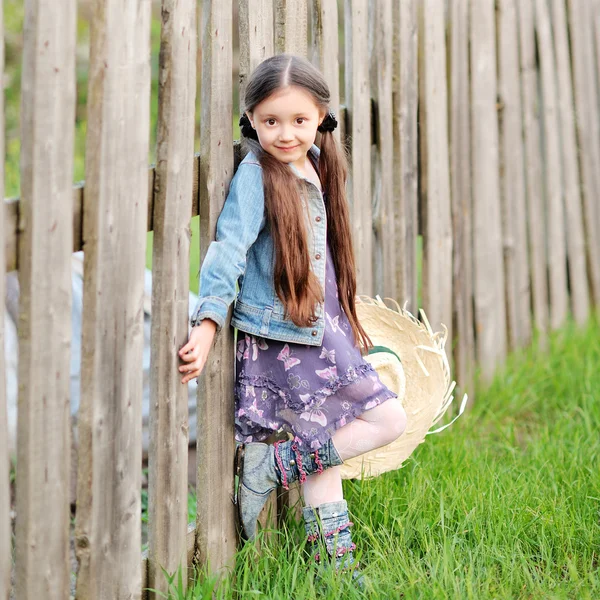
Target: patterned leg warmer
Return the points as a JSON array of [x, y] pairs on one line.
[[294, 464], [262, 467], [333, 536]]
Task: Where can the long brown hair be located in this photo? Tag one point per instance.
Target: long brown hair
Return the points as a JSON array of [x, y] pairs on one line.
[[295, 283]]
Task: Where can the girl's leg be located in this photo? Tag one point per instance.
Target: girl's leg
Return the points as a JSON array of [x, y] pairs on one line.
[[374, 428]]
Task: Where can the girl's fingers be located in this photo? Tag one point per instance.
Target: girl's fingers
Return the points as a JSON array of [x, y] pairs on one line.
[[189, 346], [191, 355]]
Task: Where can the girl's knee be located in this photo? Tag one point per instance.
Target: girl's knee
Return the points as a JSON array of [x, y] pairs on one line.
[[395, 417]]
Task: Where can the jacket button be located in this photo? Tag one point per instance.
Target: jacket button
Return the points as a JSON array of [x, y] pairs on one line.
[[318, 219], [318, 256], [314, 332]]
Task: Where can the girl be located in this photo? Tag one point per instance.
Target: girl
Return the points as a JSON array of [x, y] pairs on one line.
[[284, 235]]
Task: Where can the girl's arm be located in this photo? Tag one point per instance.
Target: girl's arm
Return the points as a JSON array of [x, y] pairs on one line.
[[238, 226]]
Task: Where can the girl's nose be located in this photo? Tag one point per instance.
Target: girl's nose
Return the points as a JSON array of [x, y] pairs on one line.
[[285, 134]]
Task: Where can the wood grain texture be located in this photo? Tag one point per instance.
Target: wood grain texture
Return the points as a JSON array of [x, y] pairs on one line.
[[358, 120], [555, 224], [256, 38], [490, 312], [381, 40], [325, 50], [291, 27], [44, 257], [215, 532], [168, 453], [575, 238], [533, 168], [5, 525], [462, 202], [588, 132], [436, 212], [108, 527], [405, 97], [512, 181]]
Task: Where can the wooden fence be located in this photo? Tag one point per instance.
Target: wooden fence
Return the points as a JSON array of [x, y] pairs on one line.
[[472, 124]]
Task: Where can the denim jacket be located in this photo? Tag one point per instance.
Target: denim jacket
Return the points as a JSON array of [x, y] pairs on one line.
[[243, 252]]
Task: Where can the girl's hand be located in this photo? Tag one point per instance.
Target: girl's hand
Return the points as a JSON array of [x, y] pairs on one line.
[[195, 352]]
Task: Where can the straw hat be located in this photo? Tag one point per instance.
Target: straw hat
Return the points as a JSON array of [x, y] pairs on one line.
[[411, 361]]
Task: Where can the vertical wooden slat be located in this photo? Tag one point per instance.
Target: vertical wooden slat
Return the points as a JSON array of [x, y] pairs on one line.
[[557, 259], [358, 105], [5, 529], [325, 51], [168, 456], [45, 244], [384, 242], [575, 237], [291, 27], [514, 220], [490, 313], [256, 37], [533, 167], [462, 208], [108, 532], [437, 225], [588, 122], [406, 149], [216, 536]]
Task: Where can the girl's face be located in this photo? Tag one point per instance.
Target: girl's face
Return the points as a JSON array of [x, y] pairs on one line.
[[286, 123]]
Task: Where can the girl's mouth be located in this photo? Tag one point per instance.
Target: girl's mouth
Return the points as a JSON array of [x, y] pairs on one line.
[[286, 149]]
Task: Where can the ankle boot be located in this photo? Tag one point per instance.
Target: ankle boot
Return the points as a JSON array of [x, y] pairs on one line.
[[262, 467], [333, 536]]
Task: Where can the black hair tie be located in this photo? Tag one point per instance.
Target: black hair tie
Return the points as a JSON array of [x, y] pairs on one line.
[[246, 128], [329, 123]]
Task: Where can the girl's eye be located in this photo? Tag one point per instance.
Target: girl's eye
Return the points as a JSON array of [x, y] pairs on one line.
[[270, 121], [300, 120]]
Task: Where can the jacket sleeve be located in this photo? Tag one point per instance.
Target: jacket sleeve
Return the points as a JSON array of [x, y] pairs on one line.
[[241, 220]]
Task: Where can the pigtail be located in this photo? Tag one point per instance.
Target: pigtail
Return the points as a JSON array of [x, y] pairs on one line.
[[333, 169]]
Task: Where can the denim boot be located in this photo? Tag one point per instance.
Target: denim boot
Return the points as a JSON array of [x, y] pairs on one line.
[[262, 467], [333, 535]]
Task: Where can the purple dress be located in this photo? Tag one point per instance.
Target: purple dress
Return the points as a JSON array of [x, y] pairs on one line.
[[310, 391]]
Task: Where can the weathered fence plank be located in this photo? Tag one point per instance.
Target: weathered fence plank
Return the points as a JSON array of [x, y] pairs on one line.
[[556, 243], [406, 149], [325, 50], [291, 26], [462, 204], [381, 39], [256, 37], [215, 532], [108, 527], [45, 243], [575, 237], [5, 525], [490, 311], [588, 132], [358, 105], [512, 152], [533, 167], [168, 455], [435, 211]]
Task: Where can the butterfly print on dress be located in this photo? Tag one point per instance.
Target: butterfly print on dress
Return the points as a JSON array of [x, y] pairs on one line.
[[288, 360], [335, 324]]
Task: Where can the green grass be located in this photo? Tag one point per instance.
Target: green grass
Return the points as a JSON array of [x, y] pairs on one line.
[[504, 504]]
